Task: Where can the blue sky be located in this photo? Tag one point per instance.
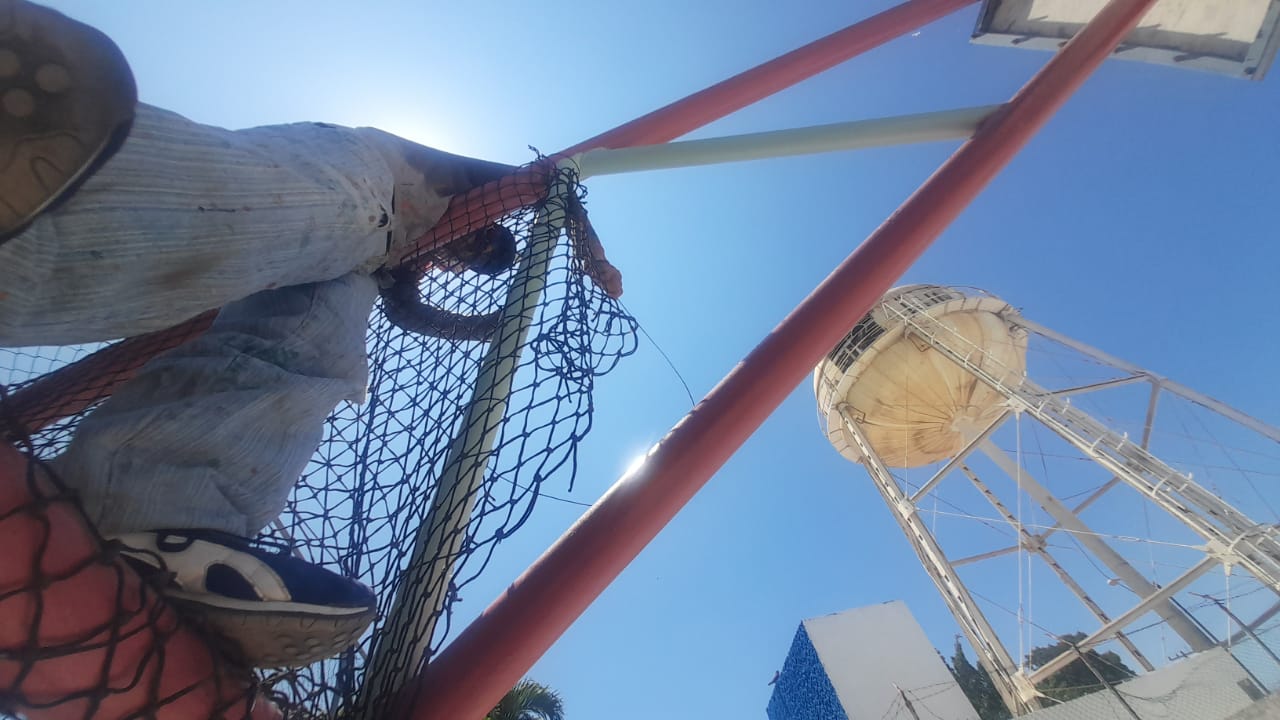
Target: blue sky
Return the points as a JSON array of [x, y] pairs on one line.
[[1142, 220]]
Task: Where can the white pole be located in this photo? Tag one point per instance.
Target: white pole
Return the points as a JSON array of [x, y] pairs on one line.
[[1094, 543], [424, 588], [959, 457], [1118, 623], [1011, 684], [881, 132], [1199, 398]]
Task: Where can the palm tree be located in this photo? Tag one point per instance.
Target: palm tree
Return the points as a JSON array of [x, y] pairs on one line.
[[528, 700]]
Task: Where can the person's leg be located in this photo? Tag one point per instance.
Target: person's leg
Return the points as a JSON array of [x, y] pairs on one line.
[[212, 436], [187, 218], [214, 433]]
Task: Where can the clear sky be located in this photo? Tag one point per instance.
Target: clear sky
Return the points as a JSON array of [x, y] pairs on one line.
[[1142, 220]]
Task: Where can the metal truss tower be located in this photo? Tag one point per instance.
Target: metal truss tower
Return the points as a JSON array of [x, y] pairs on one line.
[[929, 377]]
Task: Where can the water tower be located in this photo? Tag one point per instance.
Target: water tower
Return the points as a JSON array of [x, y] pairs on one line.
[[977, 424]]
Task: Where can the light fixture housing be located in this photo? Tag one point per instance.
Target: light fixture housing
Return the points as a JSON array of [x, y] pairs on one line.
[[1230, 37]]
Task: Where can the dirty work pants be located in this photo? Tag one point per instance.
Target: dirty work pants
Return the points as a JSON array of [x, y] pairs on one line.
[[279, 226]]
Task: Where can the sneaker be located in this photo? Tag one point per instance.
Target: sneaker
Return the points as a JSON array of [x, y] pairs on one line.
[[67, 100], [280, 610]]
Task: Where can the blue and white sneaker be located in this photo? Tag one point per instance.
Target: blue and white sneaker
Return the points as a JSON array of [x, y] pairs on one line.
[[280, 610]]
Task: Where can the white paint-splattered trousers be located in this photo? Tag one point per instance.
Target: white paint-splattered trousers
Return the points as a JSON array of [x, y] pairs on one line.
[[277, 225]]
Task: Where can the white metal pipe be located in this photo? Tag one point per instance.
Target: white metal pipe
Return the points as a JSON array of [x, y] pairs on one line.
[[1178, 621], [1146, 443], [857, 135], [985, 556], [959, 457], [1147, 605], [1199, 398], [1228, 531], [421, 598], [1009, 681], [1037, 546]]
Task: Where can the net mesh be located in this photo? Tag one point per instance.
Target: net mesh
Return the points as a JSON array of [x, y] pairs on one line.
[[372, 481]]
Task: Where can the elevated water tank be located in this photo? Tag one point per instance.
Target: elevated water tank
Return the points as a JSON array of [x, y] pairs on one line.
[[914, 405]]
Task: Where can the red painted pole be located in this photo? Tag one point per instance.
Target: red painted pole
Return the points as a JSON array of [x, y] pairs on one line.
[[703, 107], [493, 201], [76, 387], [746, 88], [500, 646]]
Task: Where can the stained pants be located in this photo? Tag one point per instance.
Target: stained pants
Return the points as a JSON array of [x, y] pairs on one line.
[[279, 226]]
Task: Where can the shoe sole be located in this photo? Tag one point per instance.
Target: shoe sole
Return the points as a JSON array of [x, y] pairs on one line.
[[282, 639], [67, 99]]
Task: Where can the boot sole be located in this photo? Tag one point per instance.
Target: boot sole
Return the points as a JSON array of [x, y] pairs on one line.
[[282, 639], [67, 99]]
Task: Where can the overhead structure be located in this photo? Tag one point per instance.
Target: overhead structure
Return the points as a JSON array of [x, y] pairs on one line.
[[929, 383], [480, 663], [1237, 38]]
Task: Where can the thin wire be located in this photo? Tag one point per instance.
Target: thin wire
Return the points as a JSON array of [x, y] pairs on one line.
[[934, 527], [892, 707], [643, 331], [1226, 570], [1188, 438], [1042, 628], [1086, 491], [1176, 462], [1099, 657], [1088, 557], [1123, 538], [1199, 440], [999, 606], [1022, 621], [1237, 468], [1213, 483], [1244, 594], [999, 525], [1151, 558], [1199, 606], [921, 704], [548, 496]]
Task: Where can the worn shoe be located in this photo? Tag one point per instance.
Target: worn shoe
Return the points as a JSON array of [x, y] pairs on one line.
[[280, 610], [67, 99]]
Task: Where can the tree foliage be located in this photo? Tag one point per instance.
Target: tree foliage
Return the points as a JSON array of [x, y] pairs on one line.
[[1072, 681], [1076, 679], [977, 686], [528, 700]]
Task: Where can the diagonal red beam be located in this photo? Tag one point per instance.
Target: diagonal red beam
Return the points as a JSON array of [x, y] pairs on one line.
[[499, 198], [747, 88], [81, 385], [76, 387], [500, 646], [706, 106]]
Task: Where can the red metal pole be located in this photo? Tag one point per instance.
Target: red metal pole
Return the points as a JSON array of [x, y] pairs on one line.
[[76, 387], [707, 106], [493, 201], [500, 646], [690, 113]]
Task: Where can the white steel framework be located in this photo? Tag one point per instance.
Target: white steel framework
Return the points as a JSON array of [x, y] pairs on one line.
[[924, 317]]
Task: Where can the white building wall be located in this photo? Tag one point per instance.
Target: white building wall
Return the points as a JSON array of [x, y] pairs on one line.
[[1205, 686], [868, 651]]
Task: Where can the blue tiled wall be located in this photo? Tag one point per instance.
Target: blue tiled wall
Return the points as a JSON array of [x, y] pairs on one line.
[[803, 690]]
